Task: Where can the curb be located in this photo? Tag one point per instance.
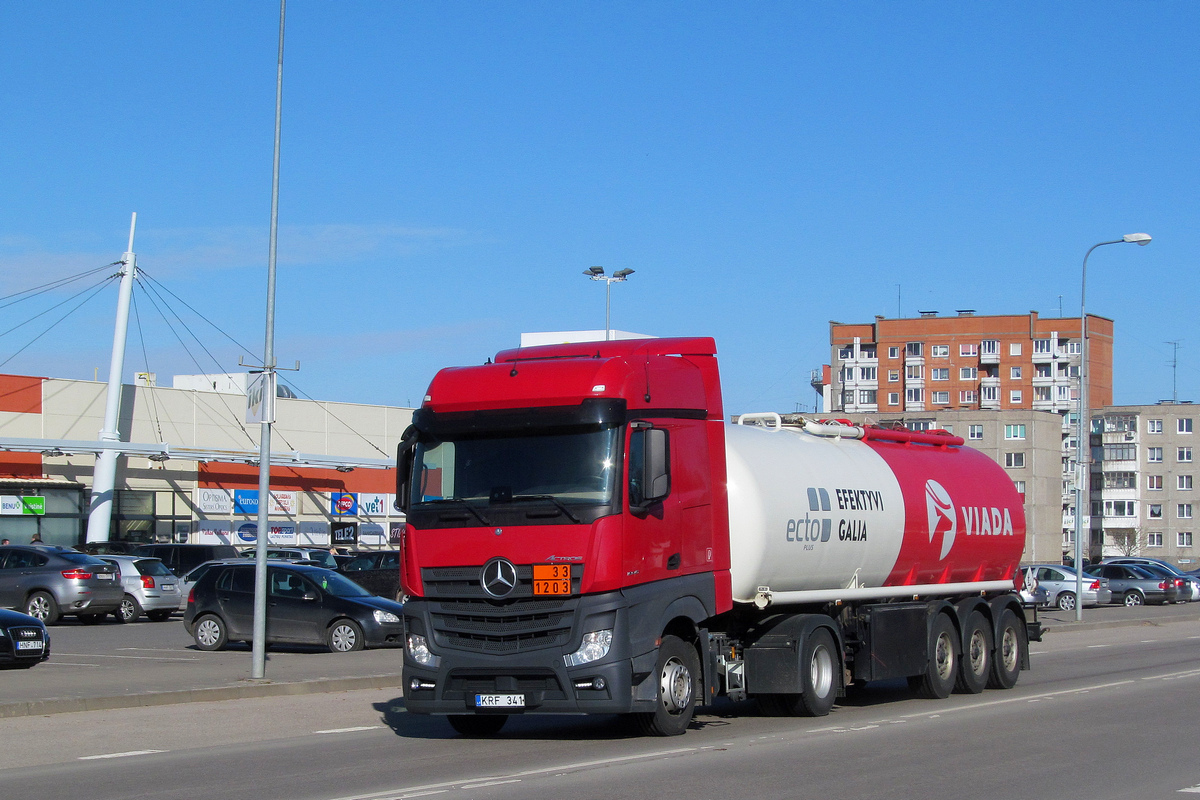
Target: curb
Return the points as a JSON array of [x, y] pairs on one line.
[[69, 705]]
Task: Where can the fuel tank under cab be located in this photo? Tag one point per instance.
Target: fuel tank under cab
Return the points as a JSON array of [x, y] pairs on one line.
[[822, 518]]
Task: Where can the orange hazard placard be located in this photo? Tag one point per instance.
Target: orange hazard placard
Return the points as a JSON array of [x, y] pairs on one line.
[[551, 579]]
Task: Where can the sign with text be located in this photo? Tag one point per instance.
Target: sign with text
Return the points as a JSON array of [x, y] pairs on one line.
[[260, 398], [373, 505], [214, 531], [371, 533], [343, 504], [23, 504], [315, 534], [214, 501], [395, 531], [344, 533], [282, 535], [245, 501]]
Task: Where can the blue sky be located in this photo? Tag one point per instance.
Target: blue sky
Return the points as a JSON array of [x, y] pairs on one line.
[[449, 169]]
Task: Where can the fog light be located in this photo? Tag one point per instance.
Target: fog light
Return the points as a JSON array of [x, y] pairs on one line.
[[595, 646], [416, 685], [418, 650], [596, 684]]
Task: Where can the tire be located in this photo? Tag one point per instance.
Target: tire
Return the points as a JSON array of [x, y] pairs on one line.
[[43, 606], [975, 665], [1010, 652], [1134, 599], [937, 681], [129, 610], [818, 678], [677, 675], [210, 633], [344, 636], [474, 726], [92, 619], [1066, 601], [161, 615]]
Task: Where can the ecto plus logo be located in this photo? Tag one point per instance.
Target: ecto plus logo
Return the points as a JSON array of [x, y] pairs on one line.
[[976, 520], [810, 529], [940, 510]]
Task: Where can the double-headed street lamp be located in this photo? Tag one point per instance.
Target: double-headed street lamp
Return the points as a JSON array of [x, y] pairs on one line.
[[1083, 443], [597, 274]]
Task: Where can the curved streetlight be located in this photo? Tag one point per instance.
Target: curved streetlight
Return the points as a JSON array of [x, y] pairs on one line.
[[1083, 443], [597, 274]]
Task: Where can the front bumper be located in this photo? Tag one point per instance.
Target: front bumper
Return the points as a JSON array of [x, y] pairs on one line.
[[538, 674]]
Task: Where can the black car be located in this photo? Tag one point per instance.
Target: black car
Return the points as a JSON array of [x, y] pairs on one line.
[[305, 605], [23, 640], [183, 558], [378, 573]]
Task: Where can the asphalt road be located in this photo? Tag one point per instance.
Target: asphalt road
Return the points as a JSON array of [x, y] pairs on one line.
[[1111, 706]]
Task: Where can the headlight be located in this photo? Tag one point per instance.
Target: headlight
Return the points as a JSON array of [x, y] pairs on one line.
[[595, 646], [385, 616], [418, 650]]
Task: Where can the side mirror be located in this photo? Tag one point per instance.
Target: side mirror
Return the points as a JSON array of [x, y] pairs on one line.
[[405, 454], [311, 596], [649, 466]]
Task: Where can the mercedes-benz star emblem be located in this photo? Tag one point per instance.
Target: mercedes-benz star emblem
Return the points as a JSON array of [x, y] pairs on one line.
[[499, 577]]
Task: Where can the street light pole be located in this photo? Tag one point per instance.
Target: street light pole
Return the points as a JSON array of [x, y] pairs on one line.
[[597, 274], [1083, 444]]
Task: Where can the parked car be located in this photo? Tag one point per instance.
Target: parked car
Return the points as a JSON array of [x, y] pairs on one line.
[[24, 640], [1183, 587], [314, 554], [1060, 583], [114, 548], [1134, 586], [47, 582], [181, 558], [305, 605], [191, 578], [377, 572], [149, 586], [1031, 592], [1193, 581]]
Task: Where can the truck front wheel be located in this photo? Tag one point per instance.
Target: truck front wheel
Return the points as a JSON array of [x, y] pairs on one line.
[[937, 681], [677, 675]]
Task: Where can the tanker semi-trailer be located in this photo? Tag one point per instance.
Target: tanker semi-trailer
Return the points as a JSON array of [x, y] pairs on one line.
[[586, 534]]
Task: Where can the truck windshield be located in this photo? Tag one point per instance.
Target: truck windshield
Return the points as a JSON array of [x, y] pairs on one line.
[[579, 466]]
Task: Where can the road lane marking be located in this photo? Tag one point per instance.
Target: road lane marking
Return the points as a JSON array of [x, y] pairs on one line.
[[489, 783], [1194, 789], [352, 730], [1023, 699], [136, 658], [67, 664], [433, 788], [121, 755]]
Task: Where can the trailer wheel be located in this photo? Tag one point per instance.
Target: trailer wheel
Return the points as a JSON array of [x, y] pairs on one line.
[[976, 662], [1006, 663], [474, 726], [818, 682], [678, 676], [937, 681]]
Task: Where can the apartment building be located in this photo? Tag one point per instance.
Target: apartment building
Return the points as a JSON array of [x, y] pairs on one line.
[[1003, 365], [930, 363], [1143, 487], [1027, 443]]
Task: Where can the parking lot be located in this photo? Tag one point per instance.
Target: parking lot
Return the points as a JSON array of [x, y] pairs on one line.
[[146, 663]]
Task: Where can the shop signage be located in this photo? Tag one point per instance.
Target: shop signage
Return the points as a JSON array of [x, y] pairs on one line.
[[314, 534], [214, 501], [371, 533], [373, 505], [214, 531], [344, 533], [245, 501], [395, 531], [343, 504], [24, 504]]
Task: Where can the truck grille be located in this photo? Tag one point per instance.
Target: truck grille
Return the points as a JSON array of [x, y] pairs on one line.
[[463, 620]]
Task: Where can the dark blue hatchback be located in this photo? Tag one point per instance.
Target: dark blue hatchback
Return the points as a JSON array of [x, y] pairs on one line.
[[305, 605]]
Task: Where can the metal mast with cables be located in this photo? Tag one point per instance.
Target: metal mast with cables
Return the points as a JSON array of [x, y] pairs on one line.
[[105, 475]]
